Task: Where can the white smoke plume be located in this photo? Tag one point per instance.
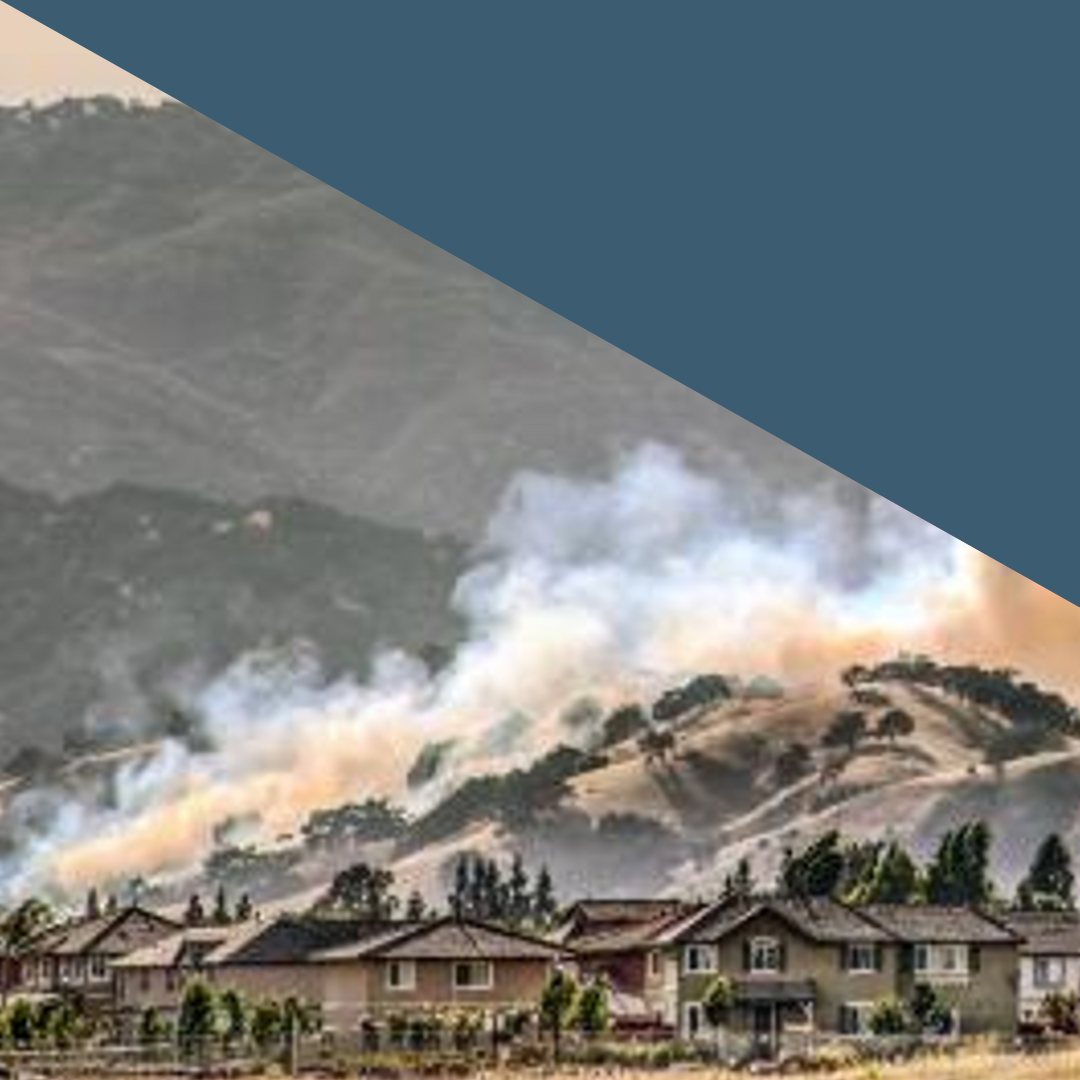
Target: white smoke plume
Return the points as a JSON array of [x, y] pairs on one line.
[[610, 588]]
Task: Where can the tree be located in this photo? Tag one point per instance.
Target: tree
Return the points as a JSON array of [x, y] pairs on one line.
[[740, 882], [895, 724], [959, 873], [717, 1003], [152, 1028], [93, 904], [518, 892], [895, 879], [22, 1029], [361, 892], [266, 1024], [1049, 884], [592, 1009], [792, 763], [221, 916], [817, 871], [1061, 1011], [415, 908], [235, 1018], [556, 1006], [657, 745], [197, 1023], [195, 915], [930, 1013], [544, 905], [624, 723], [889, 1017], [847, 730], [18, 928], [245, 909]]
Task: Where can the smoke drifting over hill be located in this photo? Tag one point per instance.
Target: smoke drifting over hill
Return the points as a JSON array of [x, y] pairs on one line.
[[613, 589]]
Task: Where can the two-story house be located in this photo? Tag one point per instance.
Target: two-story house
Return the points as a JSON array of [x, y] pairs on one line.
[[353, 970], [77, 958], [1049, 957], [803, 967], [617, 940]]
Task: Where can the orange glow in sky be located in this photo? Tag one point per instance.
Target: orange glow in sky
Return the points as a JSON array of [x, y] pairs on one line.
[[39, 64]]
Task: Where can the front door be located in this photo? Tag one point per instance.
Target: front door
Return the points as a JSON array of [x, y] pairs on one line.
[[765, 1022]]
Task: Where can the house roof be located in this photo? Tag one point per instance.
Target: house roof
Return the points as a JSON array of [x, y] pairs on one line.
[[931, 923], [1046, 933], [819, 919], [296, 940], [622, 939], [626, 910], [84, 935], [170, 951]]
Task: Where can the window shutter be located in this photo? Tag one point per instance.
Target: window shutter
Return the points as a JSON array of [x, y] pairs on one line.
[[879, 957], [974, 957], [746, 955], [782, 954], [846, 1027], [907, 958], [845, 957]]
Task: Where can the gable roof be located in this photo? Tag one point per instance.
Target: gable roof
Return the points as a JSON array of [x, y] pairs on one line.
[[947, 925], [452, 939], [1046, 933], [299, 940], [819, 919], [84, 935], [173, 950], [624, 911]]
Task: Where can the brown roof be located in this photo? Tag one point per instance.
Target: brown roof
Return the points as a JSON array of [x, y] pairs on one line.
[[628, 938], [172, 950], [633, 910], [452, 939], [298, 940], [82, 936], [1046, 933], [294, 939], [931, 923], [819, 919]]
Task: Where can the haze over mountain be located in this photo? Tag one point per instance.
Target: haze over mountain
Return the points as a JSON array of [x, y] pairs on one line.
[[181, 309]]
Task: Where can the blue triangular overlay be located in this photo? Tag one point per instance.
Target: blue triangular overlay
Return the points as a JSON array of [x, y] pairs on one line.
[[855, 225]]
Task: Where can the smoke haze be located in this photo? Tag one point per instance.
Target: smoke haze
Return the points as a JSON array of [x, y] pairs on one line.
[[611, 589]]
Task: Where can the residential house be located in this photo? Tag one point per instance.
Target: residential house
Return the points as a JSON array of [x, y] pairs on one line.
[[802, 967], [969, 957], [1049, 957], [155, 976], [617, 940], [356, 970], [76, 959]]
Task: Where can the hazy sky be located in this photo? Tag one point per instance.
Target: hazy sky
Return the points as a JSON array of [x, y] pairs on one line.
[[38, 63]]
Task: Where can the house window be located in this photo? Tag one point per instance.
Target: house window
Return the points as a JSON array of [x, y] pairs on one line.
[[855, 1017], [698, 958], [473, 975], [1048, 971], [654, 964], [764, 955], [862, 959], [97, 967], [401, 975], [941, 959]]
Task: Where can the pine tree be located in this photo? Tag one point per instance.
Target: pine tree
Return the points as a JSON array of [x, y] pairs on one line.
[[518, 892], [221, 916], [544, 906], [415, 908], [459, 897], [740, 882], [93, 904], [195, 914], [245, 910], [1049, 884]]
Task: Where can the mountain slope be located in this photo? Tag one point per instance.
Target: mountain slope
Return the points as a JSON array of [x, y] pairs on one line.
[[118, 601], [180, 309]]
